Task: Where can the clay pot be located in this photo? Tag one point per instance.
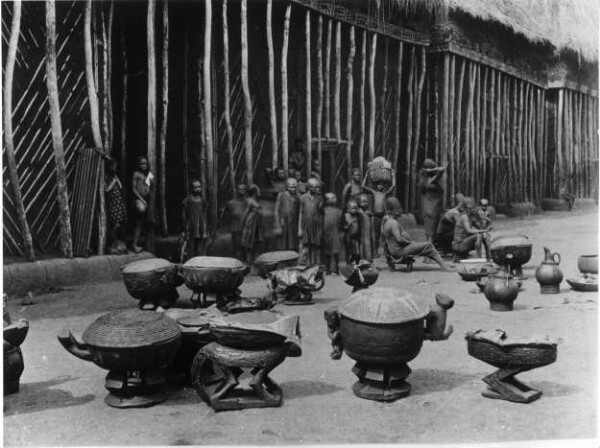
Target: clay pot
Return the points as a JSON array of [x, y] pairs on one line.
[[548, 274], [588, 264], [501, 291]]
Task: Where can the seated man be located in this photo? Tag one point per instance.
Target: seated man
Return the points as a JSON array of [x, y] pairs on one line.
[[445, 230], [399, 242], [466, 234]]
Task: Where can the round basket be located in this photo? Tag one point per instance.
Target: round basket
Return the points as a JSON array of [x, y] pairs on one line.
[[380, 170], [527, 355], [471, 270]]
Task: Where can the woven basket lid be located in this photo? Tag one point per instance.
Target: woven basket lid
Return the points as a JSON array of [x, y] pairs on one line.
[[146, 265], [277, 257], [214, 262], [130, 328], [383, 306], [510, 240]]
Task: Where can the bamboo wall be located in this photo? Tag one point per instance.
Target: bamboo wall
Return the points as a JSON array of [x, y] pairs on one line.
[[31, 120], [356, 89]]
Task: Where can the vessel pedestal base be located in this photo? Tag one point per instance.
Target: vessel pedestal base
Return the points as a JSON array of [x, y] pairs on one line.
[[502, 385], [381, 383], [218, 371], [135, 389]]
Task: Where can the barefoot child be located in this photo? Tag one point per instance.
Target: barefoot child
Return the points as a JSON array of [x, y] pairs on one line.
[[380, 194], [352, 232], [116, 211], [194, 219], [366, 229], [143, 192], [332, 245]]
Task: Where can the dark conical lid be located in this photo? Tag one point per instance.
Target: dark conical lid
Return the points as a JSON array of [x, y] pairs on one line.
[[130, 328], [384, 306]]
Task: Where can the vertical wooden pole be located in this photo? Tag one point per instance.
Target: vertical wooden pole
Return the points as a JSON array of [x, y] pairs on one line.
[[272, 110], [284, 88], [151, 117], [106, 114], [227, 95], [483, 150], [247, 98], [208, 117], [372, 102], [450, 173], [382, 101], [492, 138], [124, 171], [327, 87], [66, 243], [396, 150], [320, 91], [337, 129], [111, 13], [9, 147], [165, 114], [559, 140], [202, 122], [185, 107], [350, 102], [327, 119], [469, 130], [418, 111], [458, 129], [362, 110], [409, 128], [308, 98]]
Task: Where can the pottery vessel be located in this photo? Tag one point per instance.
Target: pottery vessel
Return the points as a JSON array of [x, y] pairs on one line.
[[129, 340], [152, 281], [213, 274], [501, 291], [512, 251], [588, 264], [360, 276], [548, 274]]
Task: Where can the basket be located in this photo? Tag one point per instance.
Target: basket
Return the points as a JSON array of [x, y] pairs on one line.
[[582, 286], [380, 170]]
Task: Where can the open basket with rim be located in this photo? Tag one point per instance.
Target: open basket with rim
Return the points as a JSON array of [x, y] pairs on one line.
[[511, 357]]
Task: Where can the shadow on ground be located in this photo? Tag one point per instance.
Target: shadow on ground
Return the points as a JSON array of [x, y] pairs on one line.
[[41, 396]]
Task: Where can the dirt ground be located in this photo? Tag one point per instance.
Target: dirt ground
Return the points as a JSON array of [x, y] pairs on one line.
[[61, 402]]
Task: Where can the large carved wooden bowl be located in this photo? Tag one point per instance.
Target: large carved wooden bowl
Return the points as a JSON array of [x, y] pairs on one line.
[[383, 326], [213, 274]]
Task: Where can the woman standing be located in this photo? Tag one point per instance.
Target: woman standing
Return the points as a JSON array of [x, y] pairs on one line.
[[432, 195]]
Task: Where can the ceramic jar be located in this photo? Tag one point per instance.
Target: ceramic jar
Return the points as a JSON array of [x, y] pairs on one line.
[[588, 264], [548, 274], [501, 291]]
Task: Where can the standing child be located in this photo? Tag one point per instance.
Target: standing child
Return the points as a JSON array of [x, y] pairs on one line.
[[252, 225], [287, 208], [236, 208], [380, 194], [194, 219], [352, 232], [143, 196], [332, 245], [366, 229], [310, 228], [116, 211]]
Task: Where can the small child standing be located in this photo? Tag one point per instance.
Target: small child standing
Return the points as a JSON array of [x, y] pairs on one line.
[[366, 229], [352, 232], [332, 245], [380, 194], [194, 219]]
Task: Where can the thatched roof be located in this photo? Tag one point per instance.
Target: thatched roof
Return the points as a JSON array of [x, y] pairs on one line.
[[566, 24]]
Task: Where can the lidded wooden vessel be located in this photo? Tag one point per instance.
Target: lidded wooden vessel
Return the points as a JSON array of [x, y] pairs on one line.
[[383, 325]]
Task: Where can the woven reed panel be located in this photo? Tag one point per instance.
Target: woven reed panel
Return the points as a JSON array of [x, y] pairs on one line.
[[33, 143]]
